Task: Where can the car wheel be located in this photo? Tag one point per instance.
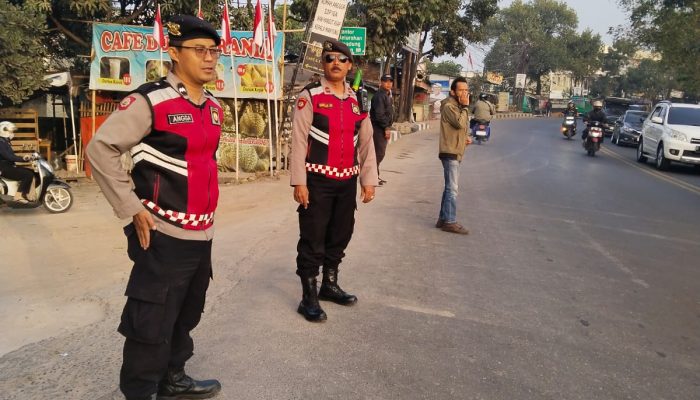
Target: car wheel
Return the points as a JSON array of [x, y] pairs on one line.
[[661, 161], [640, 152]]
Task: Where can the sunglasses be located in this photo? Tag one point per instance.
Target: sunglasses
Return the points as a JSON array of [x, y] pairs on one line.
[[329, 58]]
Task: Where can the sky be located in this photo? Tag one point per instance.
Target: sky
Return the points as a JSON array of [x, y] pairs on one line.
[[598, 15]]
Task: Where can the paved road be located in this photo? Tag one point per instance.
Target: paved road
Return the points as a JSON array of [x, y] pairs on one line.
[[579, 280]]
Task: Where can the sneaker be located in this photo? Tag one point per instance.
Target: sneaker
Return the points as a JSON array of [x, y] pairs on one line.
[[440, 223], [455, 228]]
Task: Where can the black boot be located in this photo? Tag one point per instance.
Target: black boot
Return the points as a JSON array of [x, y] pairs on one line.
[[309, 306], [177, 385], [332, 292]]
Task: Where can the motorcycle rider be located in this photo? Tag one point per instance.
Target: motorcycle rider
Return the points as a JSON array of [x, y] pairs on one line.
[[8, 158], [571, 109], [482, 112], [597, 114]]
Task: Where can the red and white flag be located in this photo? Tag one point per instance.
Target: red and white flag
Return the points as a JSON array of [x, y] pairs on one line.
[[199, 10], [158, 29], [258, 27], [271, 31], [469, 55], [225, 27]]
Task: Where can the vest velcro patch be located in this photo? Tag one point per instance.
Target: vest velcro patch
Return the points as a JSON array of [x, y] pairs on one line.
[[180, 119]]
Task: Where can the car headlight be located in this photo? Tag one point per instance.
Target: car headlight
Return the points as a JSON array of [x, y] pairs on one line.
[[679, 136]]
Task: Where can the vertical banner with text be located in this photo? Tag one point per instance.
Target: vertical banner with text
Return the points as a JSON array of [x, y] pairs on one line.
[[327, 23]]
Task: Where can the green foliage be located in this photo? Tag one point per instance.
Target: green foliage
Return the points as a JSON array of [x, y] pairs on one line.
[[671, 27], [650, 80], [449, 68], [531, 38], [21, 53], [583, 54]]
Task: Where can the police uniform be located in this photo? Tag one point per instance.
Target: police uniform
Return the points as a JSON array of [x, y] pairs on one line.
[[331, 149], [172, 141]]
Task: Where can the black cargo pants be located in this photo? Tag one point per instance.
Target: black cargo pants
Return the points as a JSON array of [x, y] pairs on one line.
[[326, 226], [166, 293]]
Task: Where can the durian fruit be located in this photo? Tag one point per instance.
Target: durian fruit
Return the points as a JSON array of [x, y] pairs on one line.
[[262, 165], [226, 158], [246, 80], [249, 158], [262, 69], [252, 123]]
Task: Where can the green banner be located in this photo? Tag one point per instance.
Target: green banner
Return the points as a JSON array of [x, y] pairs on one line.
[[355, 38]]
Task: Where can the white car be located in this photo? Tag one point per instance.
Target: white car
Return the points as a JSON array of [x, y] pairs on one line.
[[671, 133]]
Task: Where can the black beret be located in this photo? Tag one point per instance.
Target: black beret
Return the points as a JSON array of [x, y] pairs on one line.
[[336, 46], [186, 27], [387, 77]]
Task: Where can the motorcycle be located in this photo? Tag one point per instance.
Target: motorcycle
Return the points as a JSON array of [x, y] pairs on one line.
[[481, 131], [568, 126], [595, 136], [49, 191]]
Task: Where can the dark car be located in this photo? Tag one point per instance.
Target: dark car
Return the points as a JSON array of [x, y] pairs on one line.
[[628, 128]]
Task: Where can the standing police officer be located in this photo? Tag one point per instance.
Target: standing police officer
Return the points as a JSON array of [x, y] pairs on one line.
[[331, 147], [382, 116], [171, 128]]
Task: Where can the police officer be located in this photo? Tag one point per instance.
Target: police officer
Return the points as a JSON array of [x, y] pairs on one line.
[[171, 129], [382, 117], [331, 147]]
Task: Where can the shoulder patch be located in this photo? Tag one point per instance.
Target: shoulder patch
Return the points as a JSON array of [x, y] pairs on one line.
[[215, 117], [356, 108], [124, 104], [301, 103]]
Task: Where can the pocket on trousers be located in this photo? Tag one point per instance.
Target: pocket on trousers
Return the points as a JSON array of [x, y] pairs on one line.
[[144, 315]]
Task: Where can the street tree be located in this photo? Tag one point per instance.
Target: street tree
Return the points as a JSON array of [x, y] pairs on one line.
[[672, 28], [583, 54], [22, 54], [532, 36], [650, 80], [448, 67]]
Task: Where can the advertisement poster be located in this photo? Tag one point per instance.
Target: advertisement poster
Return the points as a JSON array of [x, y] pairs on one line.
[[254, 151], [124, 57]]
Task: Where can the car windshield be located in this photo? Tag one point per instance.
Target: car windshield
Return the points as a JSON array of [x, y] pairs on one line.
[[635, 118], [684, 116], [615, 109]]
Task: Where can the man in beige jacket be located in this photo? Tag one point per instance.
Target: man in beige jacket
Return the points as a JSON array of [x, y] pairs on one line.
[[454, 138]]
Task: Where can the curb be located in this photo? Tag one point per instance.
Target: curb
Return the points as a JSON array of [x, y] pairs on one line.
[[513, 115]]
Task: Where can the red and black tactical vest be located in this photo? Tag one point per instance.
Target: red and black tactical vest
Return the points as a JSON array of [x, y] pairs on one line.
[[175, 171], [334, 134]]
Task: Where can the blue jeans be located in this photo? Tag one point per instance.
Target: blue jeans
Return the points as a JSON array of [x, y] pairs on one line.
[[448, 206]]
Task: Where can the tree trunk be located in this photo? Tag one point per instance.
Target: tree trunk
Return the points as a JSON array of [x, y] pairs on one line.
[[539, 85]]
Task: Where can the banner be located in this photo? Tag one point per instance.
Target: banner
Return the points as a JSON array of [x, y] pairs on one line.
[[494, 77], [124, 57]]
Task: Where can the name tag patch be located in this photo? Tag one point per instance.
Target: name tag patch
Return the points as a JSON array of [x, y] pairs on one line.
[[325, 105], [180, 119]]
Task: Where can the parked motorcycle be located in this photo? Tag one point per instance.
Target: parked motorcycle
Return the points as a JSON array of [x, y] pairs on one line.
[[50, 191], [481, 131], [568, 126], [595, 136]]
